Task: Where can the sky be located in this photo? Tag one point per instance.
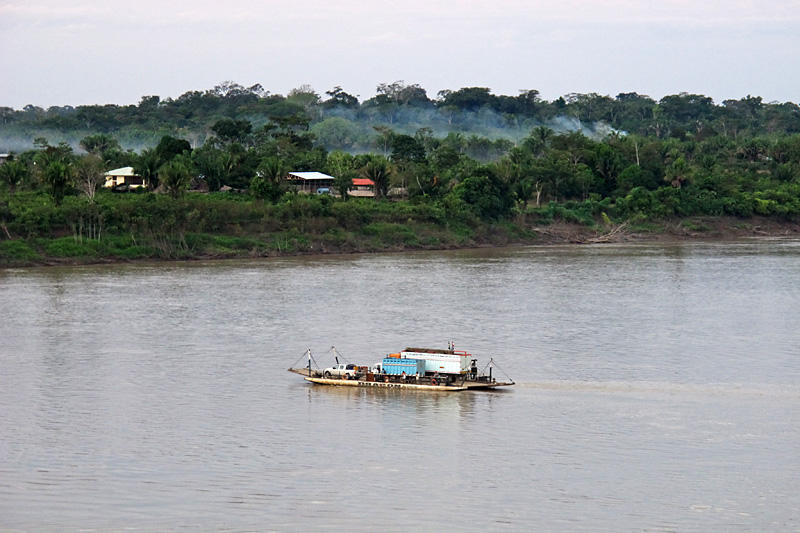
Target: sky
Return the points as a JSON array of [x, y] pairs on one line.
[[80, 52]]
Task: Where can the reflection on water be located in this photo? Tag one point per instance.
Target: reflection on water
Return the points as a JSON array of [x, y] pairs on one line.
[[657, 389]]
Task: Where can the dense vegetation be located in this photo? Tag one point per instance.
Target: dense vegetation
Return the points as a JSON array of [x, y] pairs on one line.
[[465, 167]]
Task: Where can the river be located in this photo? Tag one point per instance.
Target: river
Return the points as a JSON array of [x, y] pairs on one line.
[[657, 389]]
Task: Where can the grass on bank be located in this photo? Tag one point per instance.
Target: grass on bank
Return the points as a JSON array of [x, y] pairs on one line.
[[120, 227]]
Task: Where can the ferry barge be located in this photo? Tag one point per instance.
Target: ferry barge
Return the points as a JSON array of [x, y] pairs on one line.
[[413, 368]]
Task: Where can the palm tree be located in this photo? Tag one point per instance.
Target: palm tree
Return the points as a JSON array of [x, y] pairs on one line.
[[378, 170], [268, 181], [99, 143], [57, 176], [146, 166], [175, 176], [543, 134], [12, 173], [54, 166]]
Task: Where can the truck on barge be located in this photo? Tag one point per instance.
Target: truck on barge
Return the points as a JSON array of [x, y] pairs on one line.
[[413, 368]]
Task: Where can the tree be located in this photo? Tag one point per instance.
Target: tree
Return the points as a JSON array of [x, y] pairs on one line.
[[89, 175], [677, 173], [384, 138], [335, 133], [57, 175], [175, 176], [146, 166], [752, 150], [592, 107], [339, 98], [229, 130], [170, 147], [686, 108], [268, 181], [608, 164], [528, 102], [54, 165], [632, 177], [209, 161], [303, 96], [341, 165], [542, 134], [230, 89], [392, 91], [488, 196], [468, 98], [406, 149], [413, 95], [555, 174], [378, 170], [12, 173], [99, 143]]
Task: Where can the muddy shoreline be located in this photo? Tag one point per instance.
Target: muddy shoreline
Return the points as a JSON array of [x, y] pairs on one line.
[[676, 230]]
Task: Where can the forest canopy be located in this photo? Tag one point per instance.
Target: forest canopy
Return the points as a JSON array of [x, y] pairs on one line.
[[339, 120]]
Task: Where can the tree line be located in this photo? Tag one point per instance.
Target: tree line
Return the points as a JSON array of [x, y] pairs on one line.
[[340, 121], [680, 156]]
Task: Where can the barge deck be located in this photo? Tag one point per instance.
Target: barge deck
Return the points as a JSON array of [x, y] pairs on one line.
[[400, 382]]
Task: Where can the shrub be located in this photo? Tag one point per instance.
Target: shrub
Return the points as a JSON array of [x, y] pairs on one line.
[[392, 234], [67, 247], [17, 252]]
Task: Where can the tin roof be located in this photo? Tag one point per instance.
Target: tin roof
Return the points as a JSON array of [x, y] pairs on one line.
[[124, 171], [310, 176], [363, 182]]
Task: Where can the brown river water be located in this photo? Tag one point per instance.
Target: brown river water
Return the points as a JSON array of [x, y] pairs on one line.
[[657, 389]]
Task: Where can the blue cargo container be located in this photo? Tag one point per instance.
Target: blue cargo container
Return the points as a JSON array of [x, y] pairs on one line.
[[395, 367]]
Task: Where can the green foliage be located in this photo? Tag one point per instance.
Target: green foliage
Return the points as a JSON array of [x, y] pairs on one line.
[[175, 176], [406, 149], [392, 234], [230, 130], [352, 215], [17, 253], [100, 144], [336, 133], [379, 170], [464, 161], [268, 181], [169, 147], [68, 247], [55, 168], [146, 165], [13, 173], [487, 196], [635, 176], [579, 213]]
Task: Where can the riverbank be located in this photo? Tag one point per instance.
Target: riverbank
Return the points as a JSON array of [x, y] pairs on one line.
[[68, 251], [677, 230]]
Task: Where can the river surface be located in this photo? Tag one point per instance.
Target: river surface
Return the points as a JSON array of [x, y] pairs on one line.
[[657, 389]]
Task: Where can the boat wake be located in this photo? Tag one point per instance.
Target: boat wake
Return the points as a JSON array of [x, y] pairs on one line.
[[647, 387]]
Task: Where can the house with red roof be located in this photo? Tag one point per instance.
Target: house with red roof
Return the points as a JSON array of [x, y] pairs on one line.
[[362, 187]]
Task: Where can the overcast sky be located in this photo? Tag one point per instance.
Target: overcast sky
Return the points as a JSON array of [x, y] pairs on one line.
[[76, 52]]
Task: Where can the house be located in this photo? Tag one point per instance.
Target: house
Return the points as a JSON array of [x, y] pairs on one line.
[[362, 188], [309, 182], [123, 176]]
